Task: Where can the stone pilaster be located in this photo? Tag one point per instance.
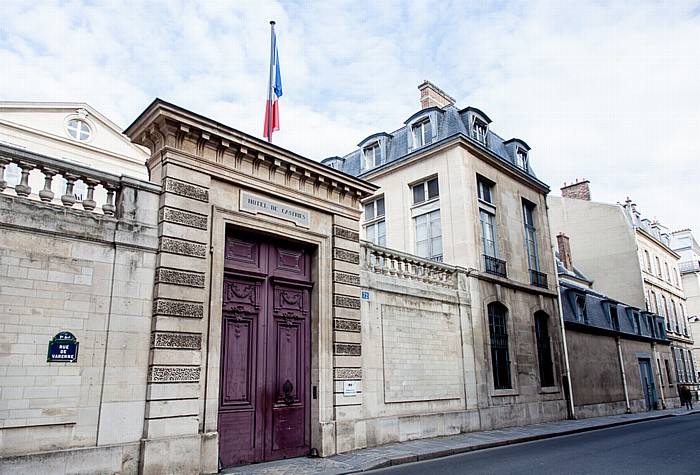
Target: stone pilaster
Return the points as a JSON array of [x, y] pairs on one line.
[[175, 395], [347, 326]]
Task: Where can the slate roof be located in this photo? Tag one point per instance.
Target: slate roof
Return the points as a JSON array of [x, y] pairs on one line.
[[447, 124], [598, 317]]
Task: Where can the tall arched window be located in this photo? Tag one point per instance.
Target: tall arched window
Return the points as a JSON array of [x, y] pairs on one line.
[[499, 346], [544, 349]]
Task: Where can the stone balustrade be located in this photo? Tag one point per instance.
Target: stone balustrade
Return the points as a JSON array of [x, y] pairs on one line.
[[406, 266], [49, 168]]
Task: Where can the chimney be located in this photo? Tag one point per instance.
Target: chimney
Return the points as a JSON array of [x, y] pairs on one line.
[[431, 95], [578, 191], [565, 251]]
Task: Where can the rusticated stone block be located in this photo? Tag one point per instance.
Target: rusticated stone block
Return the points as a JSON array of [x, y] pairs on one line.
[[180, 341], [178, 308], [346, 302], [345, 278], [347, 256], [184, 218], [346, 233], [177, 277], [342, 324], [185, 189], [178, 246], [174, 374], [347, 373], [347, 349]]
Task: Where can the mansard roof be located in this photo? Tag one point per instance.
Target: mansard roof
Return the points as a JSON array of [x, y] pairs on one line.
[[448, 123]]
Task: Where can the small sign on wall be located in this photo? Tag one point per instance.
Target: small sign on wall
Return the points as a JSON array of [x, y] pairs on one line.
[[365, 295], [349, 388], [63, 348]]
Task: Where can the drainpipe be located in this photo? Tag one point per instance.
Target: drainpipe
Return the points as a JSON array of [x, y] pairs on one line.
[[624, 377], [658, 374], [567, 368]]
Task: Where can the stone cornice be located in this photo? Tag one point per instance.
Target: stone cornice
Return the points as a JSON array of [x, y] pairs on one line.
[[166, 126]]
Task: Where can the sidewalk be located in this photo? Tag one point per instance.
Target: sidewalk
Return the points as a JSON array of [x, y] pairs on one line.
[[414, 450]]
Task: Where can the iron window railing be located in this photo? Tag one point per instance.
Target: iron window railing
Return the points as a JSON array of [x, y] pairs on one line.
[[495, 266], [538, 279]]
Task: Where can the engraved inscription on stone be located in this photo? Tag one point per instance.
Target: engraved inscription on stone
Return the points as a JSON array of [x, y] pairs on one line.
[[347, 349], [255, 204], [170, 276], [345, 278], [346, 233], [342, 324], [347, 373], [178, 246], [181, 341], [173, 374], [178, 308], [347, 256], [185, 218], [187, 190], [346, 302]]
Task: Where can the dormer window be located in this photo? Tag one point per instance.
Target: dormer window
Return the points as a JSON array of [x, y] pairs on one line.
[[372, 156], [78, 130], [521, 158], [479, 130], [422, 133]]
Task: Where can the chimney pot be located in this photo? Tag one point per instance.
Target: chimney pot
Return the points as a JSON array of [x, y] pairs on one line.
[[565, 251], [579, 190]]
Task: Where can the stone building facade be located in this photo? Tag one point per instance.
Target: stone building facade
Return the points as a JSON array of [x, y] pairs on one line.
[[630, 260]]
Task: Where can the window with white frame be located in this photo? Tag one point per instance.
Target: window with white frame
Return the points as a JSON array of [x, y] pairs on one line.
[[658, 268], [479, 130], [372, 156], [422, 133], [668, 273], [484, 190], [78, 130], [488, 233], [521, 158], [647, 261], [581, 313], [530, 236], [429, 235], [425, 191], [375, 226]]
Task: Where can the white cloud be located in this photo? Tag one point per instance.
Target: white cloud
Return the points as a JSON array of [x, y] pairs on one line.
[[604, 90]]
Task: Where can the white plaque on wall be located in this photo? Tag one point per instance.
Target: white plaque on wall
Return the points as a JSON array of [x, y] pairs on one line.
[[349, 388], [255, 204]]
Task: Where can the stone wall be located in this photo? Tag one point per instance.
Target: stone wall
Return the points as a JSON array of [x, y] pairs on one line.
[[91, 274]]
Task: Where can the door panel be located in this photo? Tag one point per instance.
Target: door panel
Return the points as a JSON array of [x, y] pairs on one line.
[[264, 405]]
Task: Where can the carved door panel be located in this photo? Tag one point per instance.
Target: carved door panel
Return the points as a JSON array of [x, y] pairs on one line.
[[264, 405]]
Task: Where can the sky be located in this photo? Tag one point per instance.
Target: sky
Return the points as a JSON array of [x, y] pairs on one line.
[[607, 91]]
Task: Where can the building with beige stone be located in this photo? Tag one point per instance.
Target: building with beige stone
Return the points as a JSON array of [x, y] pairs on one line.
[[454, 192], [630, 259], [619, 354], [687, 247]]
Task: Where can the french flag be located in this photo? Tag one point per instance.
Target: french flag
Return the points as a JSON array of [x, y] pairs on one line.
[[272, 115]]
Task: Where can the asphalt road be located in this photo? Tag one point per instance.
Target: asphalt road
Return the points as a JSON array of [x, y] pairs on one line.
[[660, 446]]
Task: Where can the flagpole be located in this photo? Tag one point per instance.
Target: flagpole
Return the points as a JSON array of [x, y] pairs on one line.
[[269, 84]]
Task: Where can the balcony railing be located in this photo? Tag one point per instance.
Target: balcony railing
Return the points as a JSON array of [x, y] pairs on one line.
[[495, 266], [407, 266], [538, 279], [690, 266]]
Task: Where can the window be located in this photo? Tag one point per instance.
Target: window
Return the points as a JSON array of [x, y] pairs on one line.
[[374, 213], [425, 191], [668, 273], [521, 158], [637, 323], [650, 324], [422, 133], [531, 237], [499, 346], [479, 130], [675, 277], [652, 302], [658, 268], [669, 374], [614, 319], [429, 235], [484, 190], [488, 234], [647, 261], [544, 351], [581, 313], [78, 129], [372, 156]]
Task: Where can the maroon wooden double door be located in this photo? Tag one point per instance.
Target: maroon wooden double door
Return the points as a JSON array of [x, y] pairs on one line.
[[264, 405]]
